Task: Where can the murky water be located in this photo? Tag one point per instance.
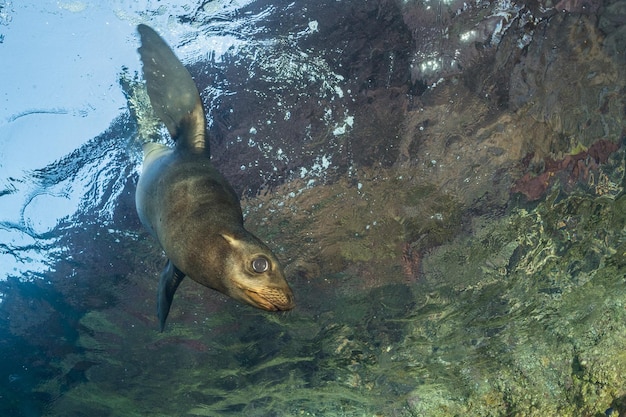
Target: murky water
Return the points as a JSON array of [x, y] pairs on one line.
[[442, 180]]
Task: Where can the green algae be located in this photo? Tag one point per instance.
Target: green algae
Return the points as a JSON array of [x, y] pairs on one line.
[[540, 296]]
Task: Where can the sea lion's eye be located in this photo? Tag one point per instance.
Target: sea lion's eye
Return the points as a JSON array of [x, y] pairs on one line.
[[260, 264]]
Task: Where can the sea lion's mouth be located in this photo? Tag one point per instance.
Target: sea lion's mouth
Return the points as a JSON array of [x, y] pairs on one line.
[[264, 303], [259, 301]]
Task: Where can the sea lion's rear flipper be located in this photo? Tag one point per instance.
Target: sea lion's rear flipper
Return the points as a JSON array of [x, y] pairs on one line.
[[172, 92], [171, 278]]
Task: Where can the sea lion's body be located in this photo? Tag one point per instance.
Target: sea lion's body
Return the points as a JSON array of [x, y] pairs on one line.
[[189, 207], [186, 204]]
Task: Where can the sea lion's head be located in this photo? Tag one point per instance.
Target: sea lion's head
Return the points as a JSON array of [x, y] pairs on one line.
[[253, 274]]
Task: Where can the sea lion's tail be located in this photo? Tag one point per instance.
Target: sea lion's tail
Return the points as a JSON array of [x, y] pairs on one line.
[[172, 92]]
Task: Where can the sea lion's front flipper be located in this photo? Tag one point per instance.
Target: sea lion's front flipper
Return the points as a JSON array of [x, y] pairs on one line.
[[171, 278], [172, 92]]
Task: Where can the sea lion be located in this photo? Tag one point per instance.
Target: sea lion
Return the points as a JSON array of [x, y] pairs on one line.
[[188, 206]]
